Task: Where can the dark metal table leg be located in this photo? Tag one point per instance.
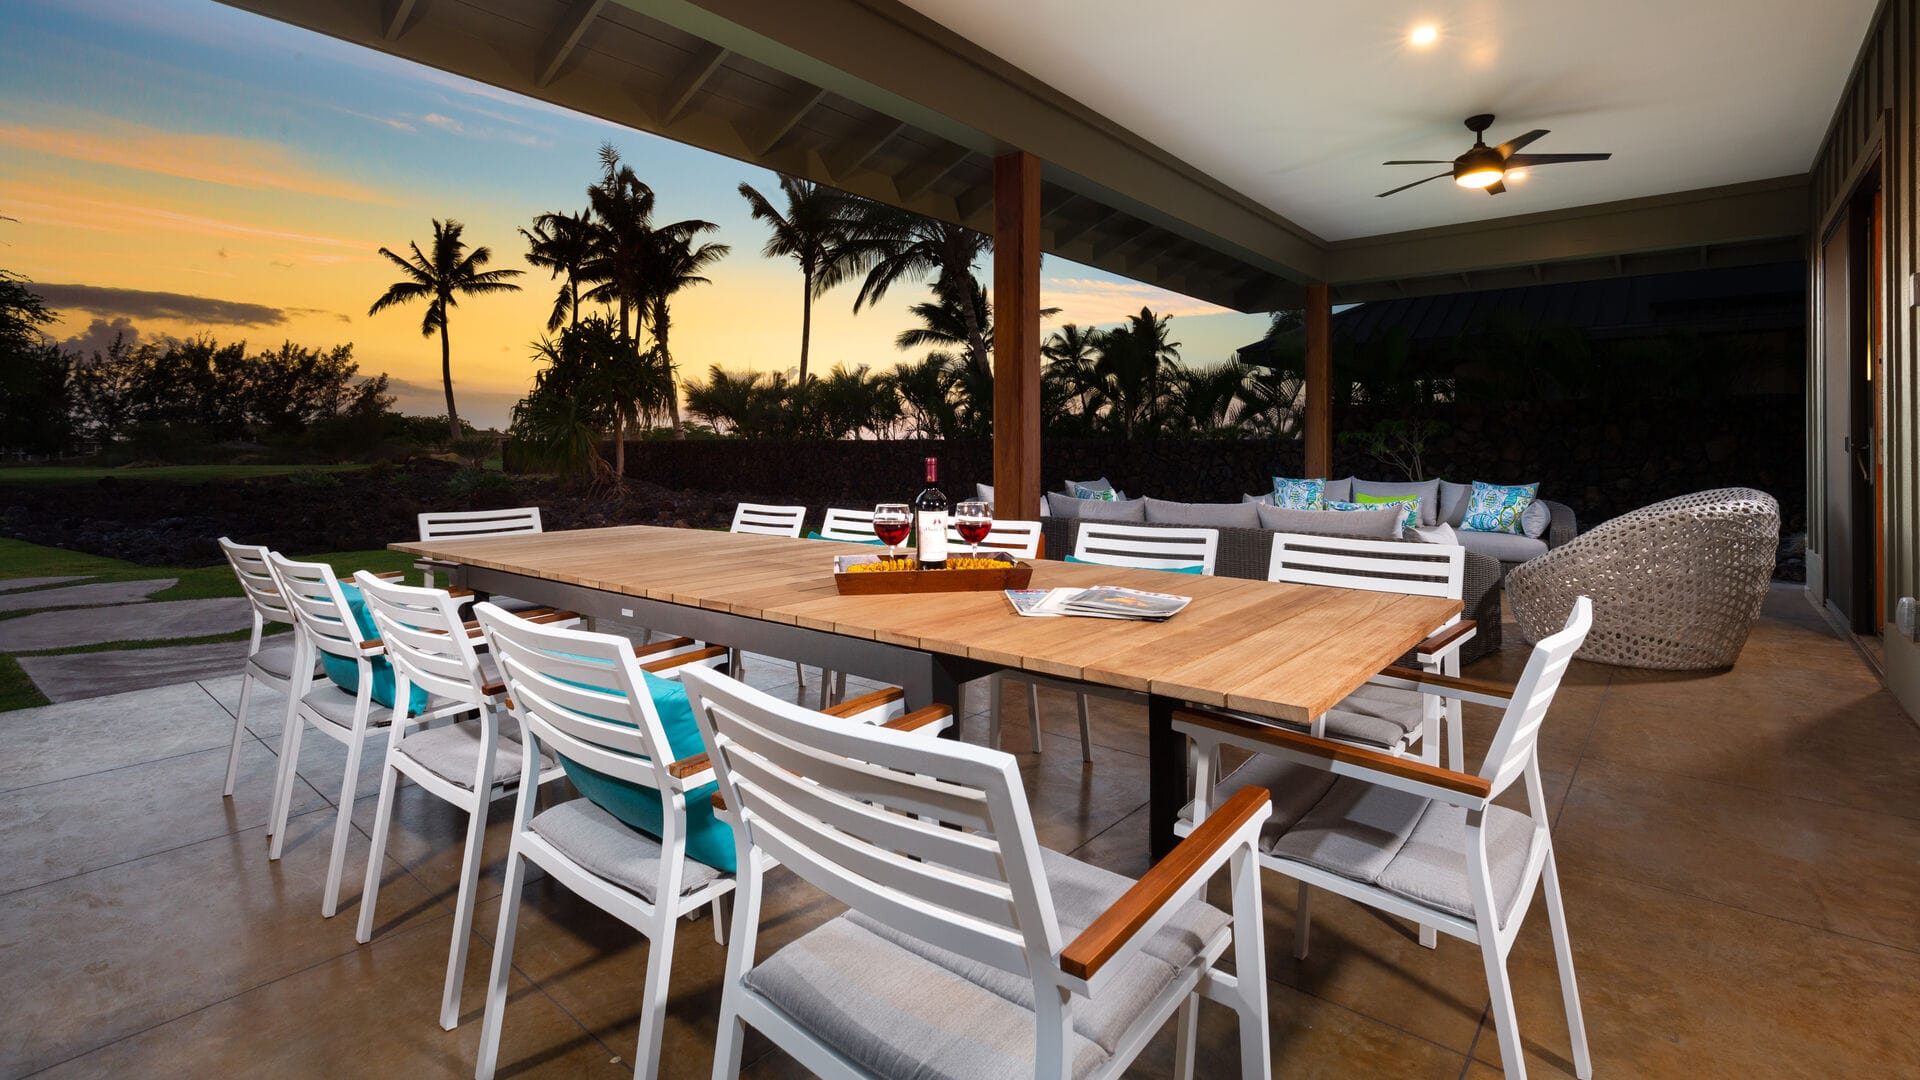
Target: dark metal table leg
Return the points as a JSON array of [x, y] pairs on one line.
[[1166, 775]]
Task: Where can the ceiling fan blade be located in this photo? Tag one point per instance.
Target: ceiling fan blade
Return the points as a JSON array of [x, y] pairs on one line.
[[1496, 187], [1508, 149], [1416, 183], [1416, 163], [1524, 161]]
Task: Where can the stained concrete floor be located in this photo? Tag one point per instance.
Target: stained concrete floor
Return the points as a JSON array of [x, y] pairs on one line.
[[1740, 853]]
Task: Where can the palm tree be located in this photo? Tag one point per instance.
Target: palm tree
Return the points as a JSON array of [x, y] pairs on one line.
[[814, 233], [925, 393], [674, 263], [451, 272], [1209, 400], [895, 245], [1070, 353], [623, 208], [564, 244]]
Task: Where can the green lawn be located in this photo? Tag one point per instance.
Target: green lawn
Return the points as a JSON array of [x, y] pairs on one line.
[[178, 474], [19, 559]]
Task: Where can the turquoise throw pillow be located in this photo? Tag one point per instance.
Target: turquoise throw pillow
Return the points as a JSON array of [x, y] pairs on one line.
[[709, 839], [345, 673], [1497, 507], [1081, 491], [1381, 502], [1291, 494], [814, 534], [1194, 569]]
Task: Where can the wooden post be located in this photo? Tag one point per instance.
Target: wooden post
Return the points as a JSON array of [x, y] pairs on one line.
[[1318, 424], [1016, 336]]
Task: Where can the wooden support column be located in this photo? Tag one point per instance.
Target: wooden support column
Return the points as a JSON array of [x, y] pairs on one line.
[[1016, 336], [1318, 422]]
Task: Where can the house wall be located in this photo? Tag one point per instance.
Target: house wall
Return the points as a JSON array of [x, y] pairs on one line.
[[1879, 112]]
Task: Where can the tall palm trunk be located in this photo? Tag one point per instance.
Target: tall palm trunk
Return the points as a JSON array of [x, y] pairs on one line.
[[806, 334], [620, 447], [573, 295], [661, 320], [446, 377]]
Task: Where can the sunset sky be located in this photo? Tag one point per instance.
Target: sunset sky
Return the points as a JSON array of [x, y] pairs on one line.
[[176, 166]]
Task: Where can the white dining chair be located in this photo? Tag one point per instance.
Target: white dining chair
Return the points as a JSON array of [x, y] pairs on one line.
[[328, 627], [583, 696], [954, 959], [1412, 839], [1020, 539], [1139, 547], [268, 663], [468, 764], [1384, 718], [476, 525], [852, 526], [763, 519]]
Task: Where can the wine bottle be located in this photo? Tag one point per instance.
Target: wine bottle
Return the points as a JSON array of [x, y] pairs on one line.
[[930, 521]]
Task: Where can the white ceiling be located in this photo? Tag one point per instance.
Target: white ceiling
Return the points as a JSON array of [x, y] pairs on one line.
[[1295, 103]]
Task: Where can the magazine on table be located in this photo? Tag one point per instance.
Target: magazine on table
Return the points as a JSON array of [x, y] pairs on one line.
[[1098, 602]]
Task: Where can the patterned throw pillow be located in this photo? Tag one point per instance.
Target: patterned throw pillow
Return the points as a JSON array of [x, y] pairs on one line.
[[1299, 494], [1498, 508], [1081, 491], [1409, 508]]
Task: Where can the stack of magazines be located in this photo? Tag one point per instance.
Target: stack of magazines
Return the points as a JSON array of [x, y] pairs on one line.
[[1098, 602]]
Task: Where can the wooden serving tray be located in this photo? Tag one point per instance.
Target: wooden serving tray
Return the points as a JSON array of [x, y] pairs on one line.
[[1015, 575]]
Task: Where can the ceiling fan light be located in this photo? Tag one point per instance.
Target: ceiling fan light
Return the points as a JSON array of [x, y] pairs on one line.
[[1481, 177]]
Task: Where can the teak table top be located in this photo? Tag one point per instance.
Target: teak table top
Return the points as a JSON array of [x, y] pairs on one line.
[[1285, 651]]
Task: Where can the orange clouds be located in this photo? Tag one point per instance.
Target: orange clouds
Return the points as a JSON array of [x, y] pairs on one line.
[[1093, 302], [231, 161]]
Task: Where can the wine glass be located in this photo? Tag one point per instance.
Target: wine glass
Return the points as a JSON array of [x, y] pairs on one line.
[[891, 523], [973, 520]]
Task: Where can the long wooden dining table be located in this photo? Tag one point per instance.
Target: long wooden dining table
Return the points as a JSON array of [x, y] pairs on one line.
[[1276, 650]]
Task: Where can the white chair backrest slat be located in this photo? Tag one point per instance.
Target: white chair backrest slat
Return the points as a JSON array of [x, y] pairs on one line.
[[1146, 547], [1373, 565], [1513, 742], [425, 638], [575, 692], [817, 793], [851, 525], [320, 607], [473, 524], [1021, 539], [249, 562], [762, 519]]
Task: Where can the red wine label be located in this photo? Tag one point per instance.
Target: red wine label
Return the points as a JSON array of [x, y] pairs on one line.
[[933, 535]]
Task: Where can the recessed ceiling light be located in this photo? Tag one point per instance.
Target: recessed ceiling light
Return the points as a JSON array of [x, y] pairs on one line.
[[1424, 35]]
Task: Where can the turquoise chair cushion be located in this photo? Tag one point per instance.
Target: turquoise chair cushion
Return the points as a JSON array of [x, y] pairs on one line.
[[1194, 569], [345, 673], [709, 839], [814, 534]]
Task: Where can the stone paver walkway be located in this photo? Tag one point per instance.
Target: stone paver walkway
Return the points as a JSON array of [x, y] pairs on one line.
[[14, 584], [88, 675], [126, 622], [99, 594]]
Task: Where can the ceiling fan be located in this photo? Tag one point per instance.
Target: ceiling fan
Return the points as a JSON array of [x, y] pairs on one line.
[[1486, 166]]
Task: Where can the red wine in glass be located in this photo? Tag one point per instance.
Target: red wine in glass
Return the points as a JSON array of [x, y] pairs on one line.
[[972, 530], [893, 533]]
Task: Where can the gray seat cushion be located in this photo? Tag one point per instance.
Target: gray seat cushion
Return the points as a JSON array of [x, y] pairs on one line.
[[1427, 491], [1210, 515], [1507, 547], [336, 705], [1363, 524], [1377, 715], [275, 659], [1407, 845], [607, 847], [1295, 789], [903, 1007], [1066, 506], [453, 750]]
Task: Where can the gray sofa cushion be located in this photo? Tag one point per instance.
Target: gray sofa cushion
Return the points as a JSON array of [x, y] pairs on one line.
[[1365, 524], [1251, 499], [1340, 490], [1535, 519], [1507, 547], [1427, 491], [1067, 506], [1212, 515], [1453, 502]]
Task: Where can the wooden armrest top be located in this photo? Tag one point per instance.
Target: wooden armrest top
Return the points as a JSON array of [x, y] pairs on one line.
[[1442, 638], [1406, 768], [717, 800], [695, 656], [866, 702], [1450, 682], [919, 718], [493, 687], [1086, 954], [662, 646], [690, 766]]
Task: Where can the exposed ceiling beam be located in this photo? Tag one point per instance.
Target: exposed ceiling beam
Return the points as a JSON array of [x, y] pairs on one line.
[[785, 124], [565, 37], [928, 172], [856, 154], [1060, 199], [1068, 235], [688, 83], [973, 200], [393, 18], [1113, 244]]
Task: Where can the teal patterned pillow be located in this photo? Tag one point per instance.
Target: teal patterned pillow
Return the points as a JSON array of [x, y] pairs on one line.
[[1409, 508], [1497, 508], [1081, 491], [1299, 494]]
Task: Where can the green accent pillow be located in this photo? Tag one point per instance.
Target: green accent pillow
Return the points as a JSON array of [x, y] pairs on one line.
[[1408, 506], [345, 673], [1194, 569], [709, 839], [1498, 507]]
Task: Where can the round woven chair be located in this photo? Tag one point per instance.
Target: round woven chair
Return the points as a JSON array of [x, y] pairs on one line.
[[1676, 585]]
